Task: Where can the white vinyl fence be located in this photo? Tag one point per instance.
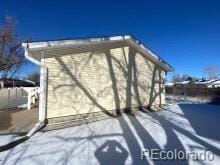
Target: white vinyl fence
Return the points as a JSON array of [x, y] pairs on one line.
[[15, 97]]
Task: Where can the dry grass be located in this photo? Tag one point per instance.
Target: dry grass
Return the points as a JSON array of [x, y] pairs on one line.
[[17, 120]]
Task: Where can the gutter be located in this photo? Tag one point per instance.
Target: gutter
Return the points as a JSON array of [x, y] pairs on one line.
[[43, 88], [89, 41]]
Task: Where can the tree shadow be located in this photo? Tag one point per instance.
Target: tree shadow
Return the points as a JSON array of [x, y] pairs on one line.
[[204, 118], [13, 144], [132, 98], [130, 91], [173, 143]]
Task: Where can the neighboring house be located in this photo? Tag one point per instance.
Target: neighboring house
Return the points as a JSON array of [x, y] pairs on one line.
[[95, 76], [213, 83], [10, 82], [200, 88], [169, 84], [169, 87]]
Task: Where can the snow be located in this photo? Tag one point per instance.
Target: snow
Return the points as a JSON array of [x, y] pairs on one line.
[[186, 126], [216, 82], [206, 81], [169, 84], [174, 99], [183, 82]]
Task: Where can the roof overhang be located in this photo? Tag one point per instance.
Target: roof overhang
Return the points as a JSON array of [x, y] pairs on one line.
[[35, 47]]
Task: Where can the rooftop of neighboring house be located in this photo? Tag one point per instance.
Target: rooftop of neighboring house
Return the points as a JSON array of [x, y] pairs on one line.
[[197, 82], [15, 82], [183, 82], [206, 81]]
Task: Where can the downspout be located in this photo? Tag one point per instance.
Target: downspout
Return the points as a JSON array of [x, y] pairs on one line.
[[43, 88]]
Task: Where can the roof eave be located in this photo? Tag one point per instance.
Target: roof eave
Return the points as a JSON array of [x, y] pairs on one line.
[[155, 58], [47, 44], [34, 46]]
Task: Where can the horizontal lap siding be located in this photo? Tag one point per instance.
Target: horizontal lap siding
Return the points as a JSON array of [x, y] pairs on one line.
[[87, 82], [147, 89], [78, 84]]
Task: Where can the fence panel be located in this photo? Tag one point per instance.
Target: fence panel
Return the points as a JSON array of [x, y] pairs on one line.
[[13, 94], [13, 97], [4, 97]]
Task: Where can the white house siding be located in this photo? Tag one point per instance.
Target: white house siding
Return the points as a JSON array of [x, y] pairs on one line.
[[100, 80]]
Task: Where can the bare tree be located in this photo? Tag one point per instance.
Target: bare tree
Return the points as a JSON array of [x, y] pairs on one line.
[[210, 71], [35, 77], [178, 78], [186, 77], [11, 53]]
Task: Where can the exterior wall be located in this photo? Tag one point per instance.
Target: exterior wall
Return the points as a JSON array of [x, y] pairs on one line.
[[100, 81]]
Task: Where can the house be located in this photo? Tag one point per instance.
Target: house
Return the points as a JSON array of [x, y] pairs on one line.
[[214, 83], [14, 82], [169, 84], [88, 78], [200, 88]]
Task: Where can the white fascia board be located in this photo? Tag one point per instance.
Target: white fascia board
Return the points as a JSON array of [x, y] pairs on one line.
[[89, 41], [150, 54], [47, 44], [117, 38]]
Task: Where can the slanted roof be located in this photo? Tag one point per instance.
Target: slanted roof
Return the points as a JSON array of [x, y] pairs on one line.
[[67, 46], [169, 84], [216, 82], [182, 82], [206, 81]]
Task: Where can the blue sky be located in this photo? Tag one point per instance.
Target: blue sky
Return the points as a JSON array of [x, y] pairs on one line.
[[184, 33]]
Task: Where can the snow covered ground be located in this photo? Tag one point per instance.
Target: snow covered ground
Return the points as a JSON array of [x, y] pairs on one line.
[[186, 126], [170, 99]]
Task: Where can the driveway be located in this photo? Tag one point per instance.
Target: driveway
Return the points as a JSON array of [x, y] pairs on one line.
[[184, 127]]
